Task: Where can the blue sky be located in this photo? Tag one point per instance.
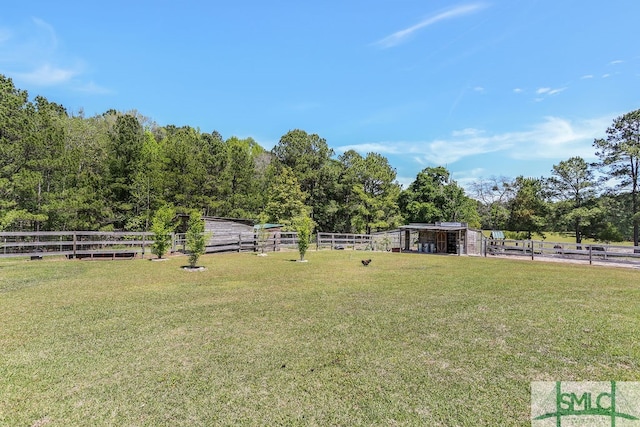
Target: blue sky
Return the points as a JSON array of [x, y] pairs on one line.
[[502, 87]]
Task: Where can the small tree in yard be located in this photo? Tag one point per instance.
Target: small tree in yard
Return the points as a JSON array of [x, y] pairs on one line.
[[303, 225], [162, 227], [195, 238]]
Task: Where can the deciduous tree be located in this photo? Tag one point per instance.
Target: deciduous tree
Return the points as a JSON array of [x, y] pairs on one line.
[[434, 196], [528, 209]]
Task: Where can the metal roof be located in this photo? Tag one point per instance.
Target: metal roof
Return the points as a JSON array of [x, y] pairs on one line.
[[446, 226], [267, 226]]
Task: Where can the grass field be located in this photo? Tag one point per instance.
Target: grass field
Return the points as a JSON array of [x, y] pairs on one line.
[[410, 340]]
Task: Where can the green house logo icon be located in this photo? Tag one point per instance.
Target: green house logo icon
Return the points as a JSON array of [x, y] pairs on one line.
[[585, 404]]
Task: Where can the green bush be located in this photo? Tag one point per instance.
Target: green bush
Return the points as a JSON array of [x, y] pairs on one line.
[[304, 227], [162, 227], [195, 237]]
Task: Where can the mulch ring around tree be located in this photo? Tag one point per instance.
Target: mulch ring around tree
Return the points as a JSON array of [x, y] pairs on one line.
[[192, 269]]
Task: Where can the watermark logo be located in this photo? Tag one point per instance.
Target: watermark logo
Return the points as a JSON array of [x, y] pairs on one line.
[[585, 404]]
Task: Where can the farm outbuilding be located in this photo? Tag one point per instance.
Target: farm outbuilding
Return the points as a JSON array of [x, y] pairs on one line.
[[226, 234], [229, 234], [272, 237], [441, 238]]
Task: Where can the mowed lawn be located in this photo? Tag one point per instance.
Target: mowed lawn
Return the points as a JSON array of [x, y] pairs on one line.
[[409, 340]]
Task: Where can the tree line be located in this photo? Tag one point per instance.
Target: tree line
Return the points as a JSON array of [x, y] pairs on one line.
[[114, 171]]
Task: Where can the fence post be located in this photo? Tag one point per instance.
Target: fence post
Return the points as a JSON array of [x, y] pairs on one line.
[[590, 249], [74, 245], [532, 251]]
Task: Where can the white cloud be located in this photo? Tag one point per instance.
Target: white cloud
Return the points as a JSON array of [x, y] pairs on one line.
[[518, 90], [587, 76], [479, 89], [604, 76], [558, 138], [32, 55], [553, 138], [47, 75], [547, 91], [402, 35], [555, 91], [616, 62]]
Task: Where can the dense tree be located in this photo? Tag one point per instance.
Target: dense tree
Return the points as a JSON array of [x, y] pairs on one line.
[[16, 116], [244, 198], [528, 209], [124, 169], [433, 197], [286, 200], [619, 155], [309, 157], [371, 192], [61, 171], [572, 184]]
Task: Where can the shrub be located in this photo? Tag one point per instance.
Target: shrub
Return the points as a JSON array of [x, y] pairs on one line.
[[162, 227], [304, 227], [195, 237]]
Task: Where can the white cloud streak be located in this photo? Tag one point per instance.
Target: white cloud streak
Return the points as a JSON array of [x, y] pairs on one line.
[[47, 75], [401, 36], [553, 138]]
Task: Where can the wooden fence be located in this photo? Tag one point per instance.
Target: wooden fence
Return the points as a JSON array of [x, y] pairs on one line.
[[75, 244], [570, 251], [382, 241], [117, 245]]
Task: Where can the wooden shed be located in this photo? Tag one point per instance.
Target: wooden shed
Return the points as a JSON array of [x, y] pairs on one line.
[[226, 234], [229, 234], [272, 237], [441, 238]]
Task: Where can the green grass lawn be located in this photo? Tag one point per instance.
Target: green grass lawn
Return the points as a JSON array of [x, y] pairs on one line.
[[410, 340]]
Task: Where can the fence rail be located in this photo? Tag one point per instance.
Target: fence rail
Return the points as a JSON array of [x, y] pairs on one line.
[[75, 244], [377, 241], [116, 245], [574, 251]]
